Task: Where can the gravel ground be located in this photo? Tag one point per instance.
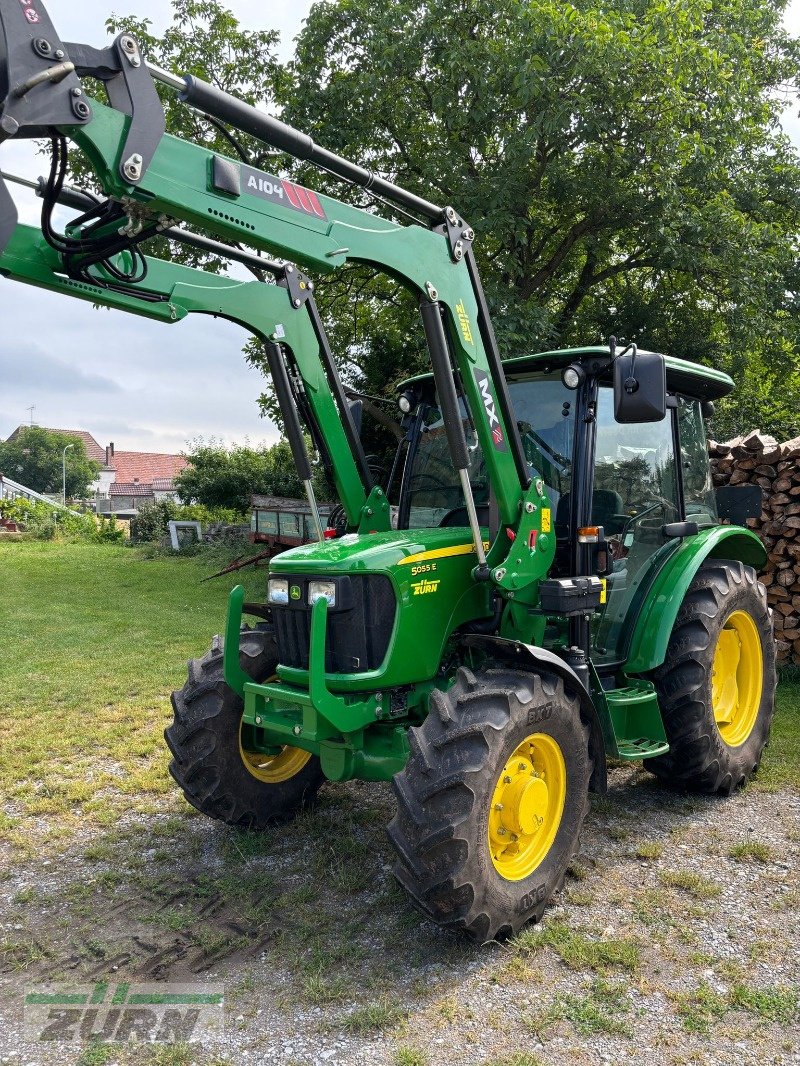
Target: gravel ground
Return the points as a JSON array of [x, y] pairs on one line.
[[675, 939]]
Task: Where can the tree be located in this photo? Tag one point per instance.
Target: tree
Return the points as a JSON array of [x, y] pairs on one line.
[[34, 459], [622, 165], [227, 477], [205, 40]]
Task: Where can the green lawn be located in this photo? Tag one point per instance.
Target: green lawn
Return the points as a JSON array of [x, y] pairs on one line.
[[94, 638]]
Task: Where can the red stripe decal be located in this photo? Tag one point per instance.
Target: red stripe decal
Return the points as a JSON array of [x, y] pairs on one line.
[[316, 206], [305, 203], [291, 192]]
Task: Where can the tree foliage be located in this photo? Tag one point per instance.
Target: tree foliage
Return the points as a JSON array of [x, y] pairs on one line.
[[206, 40], [34, 459], [622, 165], [227, 477]]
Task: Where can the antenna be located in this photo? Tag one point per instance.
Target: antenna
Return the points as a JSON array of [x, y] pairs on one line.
[[31, 409]]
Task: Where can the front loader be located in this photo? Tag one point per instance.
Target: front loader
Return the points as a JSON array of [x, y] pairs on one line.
[[545, 583]]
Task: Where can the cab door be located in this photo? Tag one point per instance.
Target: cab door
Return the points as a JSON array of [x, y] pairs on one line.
[[635, 494]]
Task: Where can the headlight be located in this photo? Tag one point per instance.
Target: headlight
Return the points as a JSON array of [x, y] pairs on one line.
[[278, 590], [322, 590], [573, 375]]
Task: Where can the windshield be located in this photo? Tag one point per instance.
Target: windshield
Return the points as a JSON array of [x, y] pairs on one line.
[[544, 410]]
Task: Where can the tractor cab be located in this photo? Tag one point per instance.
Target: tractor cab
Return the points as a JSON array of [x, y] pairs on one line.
[[622, 495]]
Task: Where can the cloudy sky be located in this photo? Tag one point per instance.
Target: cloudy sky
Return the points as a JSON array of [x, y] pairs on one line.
[[143, 385]]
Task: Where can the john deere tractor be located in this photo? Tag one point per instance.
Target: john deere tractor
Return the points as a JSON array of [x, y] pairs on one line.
[[544, 582]]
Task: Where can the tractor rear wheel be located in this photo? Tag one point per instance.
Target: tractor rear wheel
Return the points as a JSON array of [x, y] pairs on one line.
[[716, 687], [212, 762], [491, 801]]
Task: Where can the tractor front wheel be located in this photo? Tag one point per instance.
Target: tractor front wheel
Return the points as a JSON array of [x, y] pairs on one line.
[[212, 759], [491, 801], [716, 687]]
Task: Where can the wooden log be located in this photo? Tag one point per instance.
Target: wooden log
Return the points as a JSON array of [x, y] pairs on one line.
[[777, 594]]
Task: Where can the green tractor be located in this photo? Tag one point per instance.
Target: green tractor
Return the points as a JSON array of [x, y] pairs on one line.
[[543, 583], [650, 639]]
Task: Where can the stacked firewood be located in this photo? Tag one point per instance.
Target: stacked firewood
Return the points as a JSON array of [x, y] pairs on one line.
[[758, 459]]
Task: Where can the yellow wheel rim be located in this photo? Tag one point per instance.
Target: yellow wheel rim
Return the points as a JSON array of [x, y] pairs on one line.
[[272, 769], [737, 678], [527, 805]]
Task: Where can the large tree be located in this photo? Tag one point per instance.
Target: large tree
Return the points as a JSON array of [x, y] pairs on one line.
[[34, 459], [622, 164]]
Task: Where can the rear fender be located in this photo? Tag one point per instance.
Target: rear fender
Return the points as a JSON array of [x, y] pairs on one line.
[[653, 626], [531, 658]]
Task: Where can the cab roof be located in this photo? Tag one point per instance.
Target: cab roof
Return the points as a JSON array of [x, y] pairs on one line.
[[687, 379]]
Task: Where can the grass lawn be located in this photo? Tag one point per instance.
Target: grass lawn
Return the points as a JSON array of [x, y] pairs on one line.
[[94, 639]]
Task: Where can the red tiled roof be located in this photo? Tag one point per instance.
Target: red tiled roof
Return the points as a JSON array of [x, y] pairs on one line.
[[163, 484], [145, 466], [130, 488], [93, 449]]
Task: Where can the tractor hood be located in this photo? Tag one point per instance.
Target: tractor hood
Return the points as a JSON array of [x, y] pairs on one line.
[[376, 551]]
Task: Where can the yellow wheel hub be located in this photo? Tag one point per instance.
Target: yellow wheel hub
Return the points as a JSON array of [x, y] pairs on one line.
[[737, 678], [526, 807], [272, 769]]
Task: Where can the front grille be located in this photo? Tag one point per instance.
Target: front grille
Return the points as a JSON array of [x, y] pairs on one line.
[[358, 633]]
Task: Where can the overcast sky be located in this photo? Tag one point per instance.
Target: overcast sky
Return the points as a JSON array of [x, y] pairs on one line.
[[144, 385]]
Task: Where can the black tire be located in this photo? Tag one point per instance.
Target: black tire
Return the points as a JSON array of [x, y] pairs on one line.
[[445, 792], [699, 757], [204, 740]]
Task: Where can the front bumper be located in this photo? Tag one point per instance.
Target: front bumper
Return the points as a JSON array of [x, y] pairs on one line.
[[345, 732]]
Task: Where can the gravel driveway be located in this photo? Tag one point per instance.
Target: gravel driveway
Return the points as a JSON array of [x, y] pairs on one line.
[[675, 939]]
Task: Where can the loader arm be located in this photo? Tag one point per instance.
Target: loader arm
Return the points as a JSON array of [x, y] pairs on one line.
[[154, 179], [172, 291]]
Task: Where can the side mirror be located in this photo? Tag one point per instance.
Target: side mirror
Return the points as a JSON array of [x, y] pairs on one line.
[[640, 387]]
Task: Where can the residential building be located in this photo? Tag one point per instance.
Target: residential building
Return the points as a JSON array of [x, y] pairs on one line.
[[126, 479]]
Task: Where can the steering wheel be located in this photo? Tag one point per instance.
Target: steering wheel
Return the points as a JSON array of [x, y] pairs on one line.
[[633, 519]]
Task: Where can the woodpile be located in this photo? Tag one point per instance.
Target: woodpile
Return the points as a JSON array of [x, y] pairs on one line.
[[758, 459]]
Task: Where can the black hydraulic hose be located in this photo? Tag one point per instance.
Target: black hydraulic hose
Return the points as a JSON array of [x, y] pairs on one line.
[[291, 419], [248, 119], [445, 385]]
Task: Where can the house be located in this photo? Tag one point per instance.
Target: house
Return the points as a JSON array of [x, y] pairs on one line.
[[94, 451], [126, 480], [140, 477]]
